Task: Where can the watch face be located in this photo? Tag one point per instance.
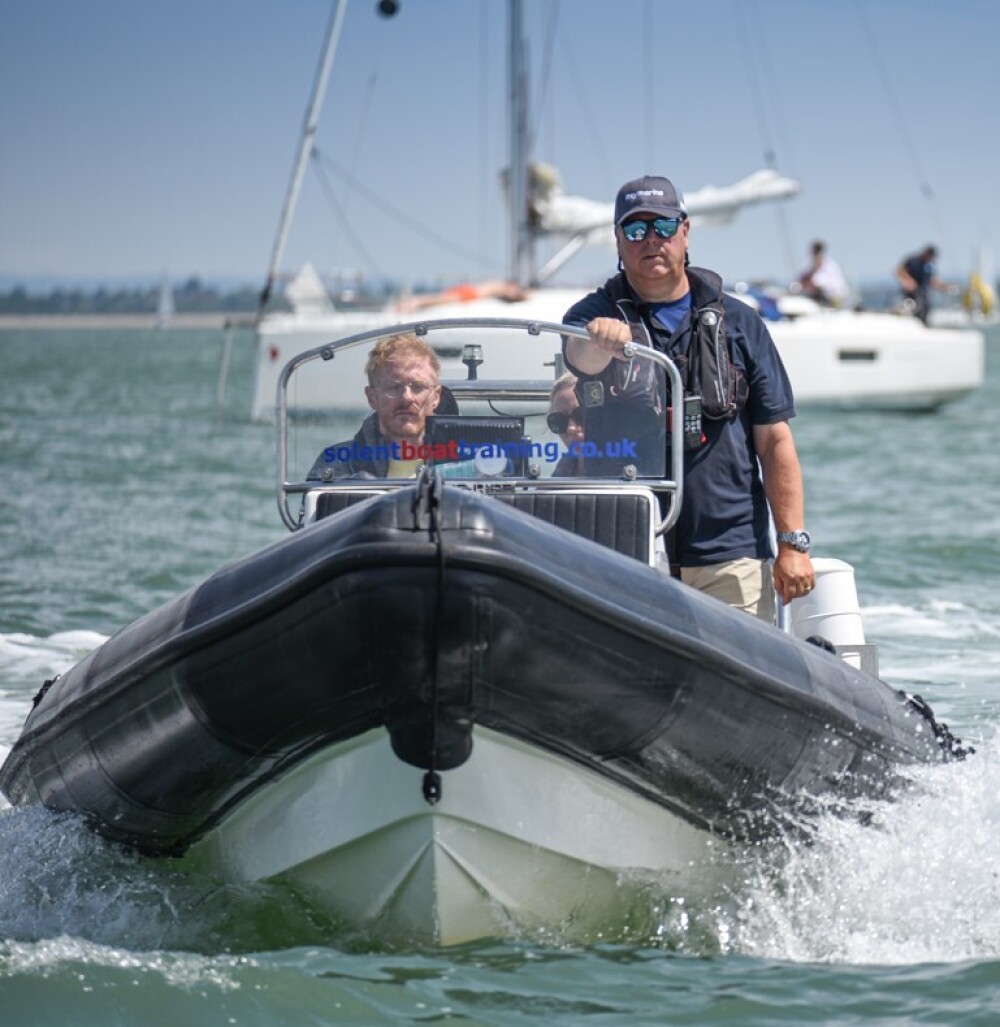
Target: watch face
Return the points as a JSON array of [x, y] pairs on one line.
[[799, 540]]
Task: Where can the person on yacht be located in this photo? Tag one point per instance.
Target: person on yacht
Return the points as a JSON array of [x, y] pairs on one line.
[[565, 419], [402, 390], [917, 275], [741, 467], [823, 280]]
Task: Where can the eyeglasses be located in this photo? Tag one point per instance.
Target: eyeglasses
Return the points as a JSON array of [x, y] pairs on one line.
[[394, 390], [558, 422], [637, 230]]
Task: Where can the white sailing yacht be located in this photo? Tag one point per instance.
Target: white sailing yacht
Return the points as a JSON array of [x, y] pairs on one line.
[[840, 358]]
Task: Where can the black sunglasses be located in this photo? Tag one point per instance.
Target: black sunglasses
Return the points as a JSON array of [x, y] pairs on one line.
[[558, 422], [638, 229]]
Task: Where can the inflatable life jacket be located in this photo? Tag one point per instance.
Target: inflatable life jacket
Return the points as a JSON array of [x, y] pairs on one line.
[[627, 401], [707, 368]]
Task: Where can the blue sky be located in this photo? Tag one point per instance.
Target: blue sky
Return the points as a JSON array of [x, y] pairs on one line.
[[140, 137]]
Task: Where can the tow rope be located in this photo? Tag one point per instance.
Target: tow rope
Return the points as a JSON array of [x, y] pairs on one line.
[[950, 745], [427, 504]]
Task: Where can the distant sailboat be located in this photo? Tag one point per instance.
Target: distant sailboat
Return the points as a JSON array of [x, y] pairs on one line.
[[839, 358], [165, 305]]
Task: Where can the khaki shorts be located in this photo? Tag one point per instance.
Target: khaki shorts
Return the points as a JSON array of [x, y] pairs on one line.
[[747, 584]]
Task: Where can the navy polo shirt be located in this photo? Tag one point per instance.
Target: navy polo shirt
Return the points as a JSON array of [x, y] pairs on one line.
[[725, 513], [921, 271]]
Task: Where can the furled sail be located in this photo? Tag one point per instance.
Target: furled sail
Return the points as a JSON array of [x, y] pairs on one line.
[[585, 222]]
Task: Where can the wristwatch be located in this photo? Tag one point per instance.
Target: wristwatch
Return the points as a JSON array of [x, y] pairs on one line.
[[799, 540]]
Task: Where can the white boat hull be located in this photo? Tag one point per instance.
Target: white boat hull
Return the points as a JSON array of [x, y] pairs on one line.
[[519, 841], [877, 361], [834, 358]]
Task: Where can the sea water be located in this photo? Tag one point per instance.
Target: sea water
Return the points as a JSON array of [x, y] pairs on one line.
[[125, 481]]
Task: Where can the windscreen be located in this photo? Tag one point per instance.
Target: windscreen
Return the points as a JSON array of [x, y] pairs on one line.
[[478, 403]]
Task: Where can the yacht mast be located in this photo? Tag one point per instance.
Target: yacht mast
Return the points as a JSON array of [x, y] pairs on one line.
[[305, 148], [517, 173]]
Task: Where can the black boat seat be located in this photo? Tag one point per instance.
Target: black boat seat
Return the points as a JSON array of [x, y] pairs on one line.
[[619, 521], [330, 503]]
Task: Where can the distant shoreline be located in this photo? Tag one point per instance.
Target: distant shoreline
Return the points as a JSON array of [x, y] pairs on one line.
[[207, 320]]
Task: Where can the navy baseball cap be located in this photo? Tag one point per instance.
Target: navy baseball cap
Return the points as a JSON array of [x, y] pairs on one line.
[[649, 195]]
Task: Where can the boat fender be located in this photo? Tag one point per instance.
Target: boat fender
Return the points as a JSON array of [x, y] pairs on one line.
[[432, 732], [950, 745]]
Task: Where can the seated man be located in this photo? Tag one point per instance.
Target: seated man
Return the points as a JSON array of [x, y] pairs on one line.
[[566, 420], [823, 280], [402, 390]]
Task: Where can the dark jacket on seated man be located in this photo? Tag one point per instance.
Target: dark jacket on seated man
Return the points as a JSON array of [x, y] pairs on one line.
[[367, 455]]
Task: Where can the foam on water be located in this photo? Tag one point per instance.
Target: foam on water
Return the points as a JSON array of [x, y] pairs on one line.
[[25, 663], [937, 618], [914, 883], [946, 650], [177, 969], [895, 619], [25, 658], [60, 880]]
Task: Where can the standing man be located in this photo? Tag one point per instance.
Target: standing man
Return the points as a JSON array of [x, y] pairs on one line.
[[917, 275], [722, 539]]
